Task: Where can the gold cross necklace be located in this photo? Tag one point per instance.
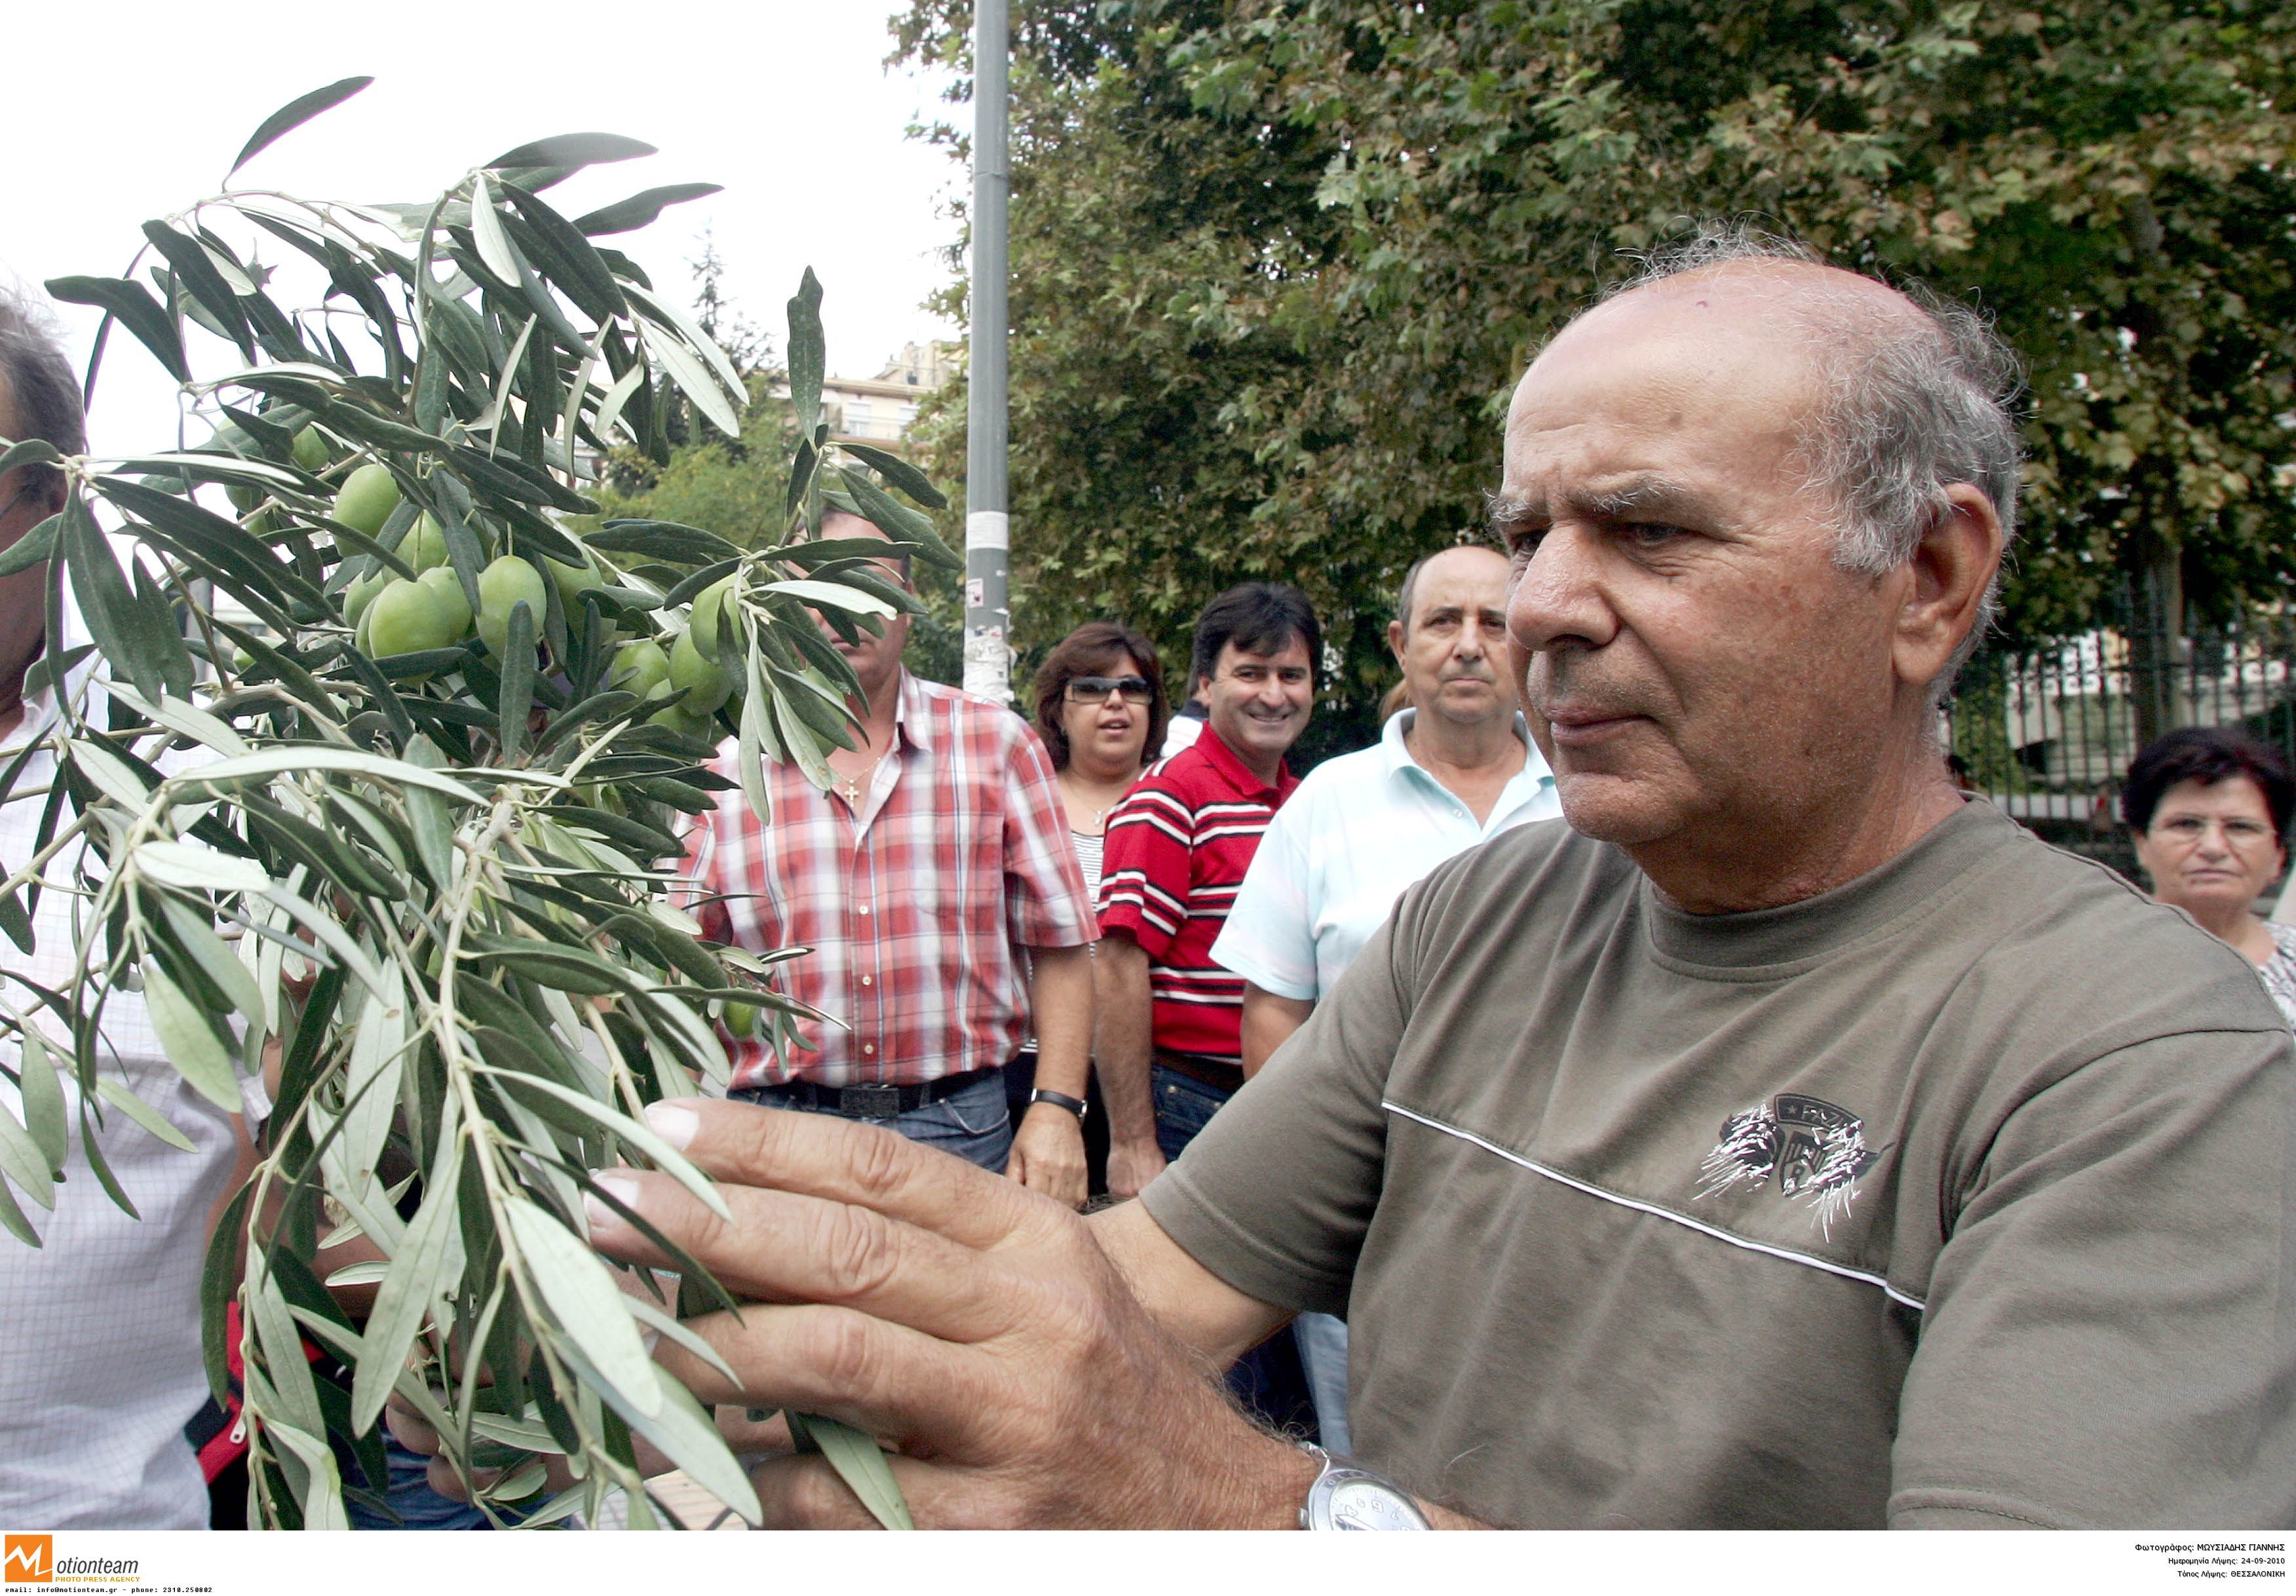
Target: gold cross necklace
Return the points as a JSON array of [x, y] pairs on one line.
[[850, 787]]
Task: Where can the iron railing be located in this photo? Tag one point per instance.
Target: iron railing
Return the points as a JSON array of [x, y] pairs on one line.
[[2048, 729]]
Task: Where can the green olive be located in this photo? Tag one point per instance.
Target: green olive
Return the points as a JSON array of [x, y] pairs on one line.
[[366, 499], [509, 582]]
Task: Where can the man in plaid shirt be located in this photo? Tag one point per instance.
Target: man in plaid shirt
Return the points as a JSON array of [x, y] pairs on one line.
[[936, 888]]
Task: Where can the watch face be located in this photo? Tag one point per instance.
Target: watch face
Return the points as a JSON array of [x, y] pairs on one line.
[[1370, 1504]]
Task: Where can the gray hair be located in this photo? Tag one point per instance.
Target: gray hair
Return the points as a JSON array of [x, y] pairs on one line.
[[1913, 406], [42, 396]]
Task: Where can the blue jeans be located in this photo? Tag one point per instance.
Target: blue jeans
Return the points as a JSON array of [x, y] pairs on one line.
[[411, 1497], [1324, 1354], [972, 1122], [1183, 1107], [1267, 1380]]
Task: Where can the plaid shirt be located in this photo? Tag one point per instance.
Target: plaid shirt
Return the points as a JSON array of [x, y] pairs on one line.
[[916, 911], [1178, 846]]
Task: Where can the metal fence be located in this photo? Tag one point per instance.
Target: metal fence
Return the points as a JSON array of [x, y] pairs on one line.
[[2049, 730]]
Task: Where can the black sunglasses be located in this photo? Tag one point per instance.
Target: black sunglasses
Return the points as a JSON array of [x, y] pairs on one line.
[[1091, 689]]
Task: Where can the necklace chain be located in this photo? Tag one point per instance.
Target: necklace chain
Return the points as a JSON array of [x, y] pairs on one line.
[[850, 787]]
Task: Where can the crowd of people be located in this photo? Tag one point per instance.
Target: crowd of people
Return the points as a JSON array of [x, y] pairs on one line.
[[1639, 1090]]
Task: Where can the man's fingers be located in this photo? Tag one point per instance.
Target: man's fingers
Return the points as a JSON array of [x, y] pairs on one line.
[[414, 1431], [1048, 1158], [805, 1491], [786, 1247], [881, 1378], [843, 1160]]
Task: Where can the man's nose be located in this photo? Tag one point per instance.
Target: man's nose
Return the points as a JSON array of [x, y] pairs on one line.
[[1557, 596]]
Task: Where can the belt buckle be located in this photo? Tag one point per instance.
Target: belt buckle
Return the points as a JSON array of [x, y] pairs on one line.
[[871, 1102]]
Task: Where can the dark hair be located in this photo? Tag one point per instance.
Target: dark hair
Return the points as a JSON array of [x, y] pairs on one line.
[[2207, 755], [1090, 650], [1259, 618], [42, 396]]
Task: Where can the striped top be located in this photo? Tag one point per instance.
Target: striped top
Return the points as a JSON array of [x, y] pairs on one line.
[[1088, 849], [1175, 851]]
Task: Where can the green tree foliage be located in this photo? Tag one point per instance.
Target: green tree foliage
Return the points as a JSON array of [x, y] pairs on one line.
[[737, 486], [1277, 262]]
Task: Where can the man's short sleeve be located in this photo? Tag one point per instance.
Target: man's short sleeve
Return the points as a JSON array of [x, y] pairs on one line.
[[1275, 1195], [696, 890], [1044, 900], [1269, 936], [2077, 1369], [1144, 867]]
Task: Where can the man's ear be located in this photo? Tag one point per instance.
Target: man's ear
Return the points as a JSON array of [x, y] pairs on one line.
[[1202, 695], [1395, 640], [1951, 566]]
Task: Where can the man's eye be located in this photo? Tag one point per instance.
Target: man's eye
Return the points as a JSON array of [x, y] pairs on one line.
[[1650, 535]]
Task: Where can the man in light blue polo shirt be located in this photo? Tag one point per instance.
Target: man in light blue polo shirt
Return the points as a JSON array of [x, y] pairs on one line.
[[1455, 770]]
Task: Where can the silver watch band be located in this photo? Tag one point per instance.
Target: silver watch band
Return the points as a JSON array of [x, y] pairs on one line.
[[1345, 1496]]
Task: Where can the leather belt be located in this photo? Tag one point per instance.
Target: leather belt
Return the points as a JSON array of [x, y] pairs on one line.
[[1202, 1068], [871, 1102]]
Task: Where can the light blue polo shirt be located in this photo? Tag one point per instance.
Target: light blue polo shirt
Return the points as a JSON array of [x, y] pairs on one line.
[[1358, 831]]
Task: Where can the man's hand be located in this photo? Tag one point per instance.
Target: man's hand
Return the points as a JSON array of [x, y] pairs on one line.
[[975, 1326], [1132, 1165], [1048, 1154]]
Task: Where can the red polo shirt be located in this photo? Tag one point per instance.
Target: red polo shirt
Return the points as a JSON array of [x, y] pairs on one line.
[[1178, 848]]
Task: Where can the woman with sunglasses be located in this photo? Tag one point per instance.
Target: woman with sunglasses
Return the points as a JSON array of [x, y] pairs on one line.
[[1101, 710], [2210, 808]]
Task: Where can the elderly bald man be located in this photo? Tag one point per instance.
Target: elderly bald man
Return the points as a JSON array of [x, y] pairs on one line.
[[1784, 1141]]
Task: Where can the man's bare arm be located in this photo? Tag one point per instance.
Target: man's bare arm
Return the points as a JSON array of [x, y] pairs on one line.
[[1268, 1022], [1123, 1044], [1048, 1143]]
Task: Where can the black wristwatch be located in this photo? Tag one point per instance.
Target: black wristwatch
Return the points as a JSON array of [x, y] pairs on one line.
[[1059, 1099]]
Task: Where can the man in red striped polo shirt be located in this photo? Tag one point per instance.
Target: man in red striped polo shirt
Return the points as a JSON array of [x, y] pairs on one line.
[[1167, 1017]]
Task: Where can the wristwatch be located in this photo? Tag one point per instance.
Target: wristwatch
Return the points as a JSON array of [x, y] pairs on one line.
[[1059, 1099], [1346, 1497]]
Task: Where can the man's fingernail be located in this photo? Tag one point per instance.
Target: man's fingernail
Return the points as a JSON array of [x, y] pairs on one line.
[[673, 1124], [615, 1184]]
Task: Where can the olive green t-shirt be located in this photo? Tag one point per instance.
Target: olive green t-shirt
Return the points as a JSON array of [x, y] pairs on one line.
[[1958, 1196]]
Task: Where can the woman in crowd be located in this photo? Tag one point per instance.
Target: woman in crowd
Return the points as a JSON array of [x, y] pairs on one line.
[[2210, 809], [1101, 710]]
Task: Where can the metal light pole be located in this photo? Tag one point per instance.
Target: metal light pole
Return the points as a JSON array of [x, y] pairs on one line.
[[987, 657]]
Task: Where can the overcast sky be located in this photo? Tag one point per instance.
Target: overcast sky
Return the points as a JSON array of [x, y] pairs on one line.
[[122, 112]]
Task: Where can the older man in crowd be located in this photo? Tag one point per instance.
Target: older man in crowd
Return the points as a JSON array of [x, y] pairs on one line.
[[947, 912], [1784, 1142], [103, 1368], [1455, 770]]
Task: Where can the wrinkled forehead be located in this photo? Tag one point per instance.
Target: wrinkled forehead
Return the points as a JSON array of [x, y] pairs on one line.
[[1764, 325], [1714, 373], [1469, 578], [839, 524]]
